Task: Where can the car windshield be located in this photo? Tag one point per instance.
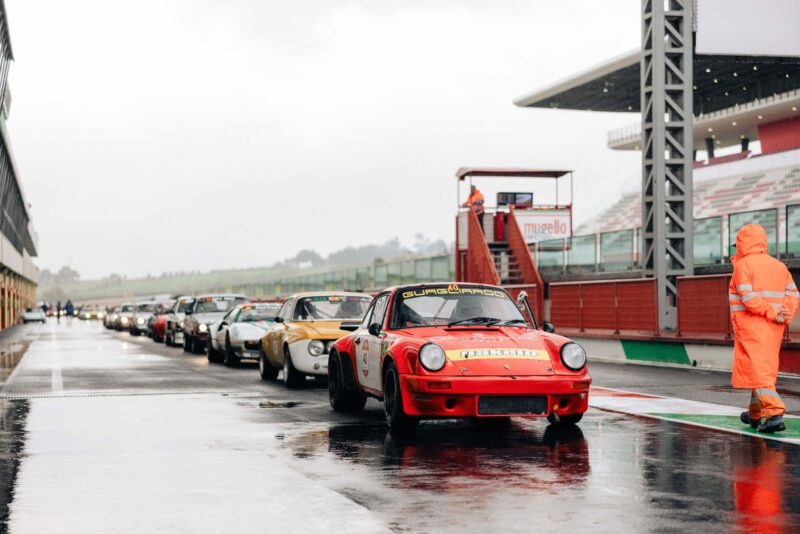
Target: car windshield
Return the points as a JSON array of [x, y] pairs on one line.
[[330, 307], [127, 308], [145, 308], [262, 312], [185, 305], [445, 305], [217, 304]]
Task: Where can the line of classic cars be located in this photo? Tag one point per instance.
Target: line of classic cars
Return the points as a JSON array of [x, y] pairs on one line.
[[425, 350]]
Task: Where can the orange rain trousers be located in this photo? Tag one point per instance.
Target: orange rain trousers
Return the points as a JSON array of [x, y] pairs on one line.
[[760, 287]]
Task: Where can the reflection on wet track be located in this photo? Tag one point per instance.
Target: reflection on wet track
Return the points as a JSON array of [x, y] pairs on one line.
[[211, 445], [643, 474]]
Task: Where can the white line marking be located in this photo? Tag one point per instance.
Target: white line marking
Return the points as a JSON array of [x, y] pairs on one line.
[[55, 379]]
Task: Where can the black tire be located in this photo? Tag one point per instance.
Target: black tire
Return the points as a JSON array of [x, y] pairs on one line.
[[396, 418], [265, 369], [342, 397], [167, 339], [213, 354], [231, 360], [292, 378], [187, 343], [565, 420], [197, 346]]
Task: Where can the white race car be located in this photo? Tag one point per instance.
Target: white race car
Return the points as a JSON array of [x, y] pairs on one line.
[[237, 336]]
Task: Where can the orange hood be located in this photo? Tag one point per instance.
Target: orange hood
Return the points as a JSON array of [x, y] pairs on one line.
[[751, 239]]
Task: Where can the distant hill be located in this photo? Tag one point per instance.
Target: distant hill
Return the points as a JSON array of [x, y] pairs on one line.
[[66, 283]]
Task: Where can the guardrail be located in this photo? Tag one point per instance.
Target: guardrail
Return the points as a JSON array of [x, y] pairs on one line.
[[614, 305], [703, 305]]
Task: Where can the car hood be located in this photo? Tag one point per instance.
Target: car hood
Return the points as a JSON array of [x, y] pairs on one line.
[[320, 329], [208, 318], [502, 351], [257, 329]]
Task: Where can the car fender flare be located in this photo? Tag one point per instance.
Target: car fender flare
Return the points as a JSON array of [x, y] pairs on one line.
[[348, 370]]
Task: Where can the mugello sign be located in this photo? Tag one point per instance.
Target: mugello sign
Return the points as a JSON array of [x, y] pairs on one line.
[[544, 225]]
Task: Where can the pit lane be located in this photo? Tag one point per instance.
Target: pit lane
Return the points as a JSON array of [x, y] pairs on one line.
[[100, 432]]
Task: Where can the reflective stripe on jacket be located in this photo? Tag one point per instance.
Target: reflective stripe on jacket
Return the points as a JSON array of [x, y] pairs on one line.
[[760, 286]]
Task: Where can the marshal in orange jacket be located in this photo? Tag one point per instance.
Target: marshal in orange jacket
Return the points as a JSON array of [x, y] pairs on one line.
[[760, 286]]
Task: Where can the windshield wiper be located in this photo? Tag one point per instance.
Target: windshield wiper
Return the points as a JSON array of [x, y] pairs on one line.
[[488, 321], [515, 321]]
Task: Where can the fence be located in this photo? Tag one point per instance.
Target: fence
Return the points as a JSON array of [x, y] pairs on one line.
[[617, 305], [714, 240], [703, 306], [376, 276]]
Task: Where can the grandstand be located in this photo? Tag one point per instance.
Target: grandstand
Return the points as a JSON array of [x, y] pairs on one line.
[[764, 188]]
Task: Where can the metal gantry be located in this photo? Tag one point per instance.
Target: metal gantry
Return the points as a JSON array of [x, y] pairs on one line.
[[667, 157]]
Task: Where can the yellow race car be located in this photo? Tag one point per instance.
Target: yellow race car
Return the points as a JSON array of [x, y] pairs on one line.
[[305, 328]]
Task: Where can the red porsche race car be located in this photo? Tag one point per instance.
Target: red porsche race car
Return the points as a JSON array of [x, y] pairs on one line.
[[456, 350]]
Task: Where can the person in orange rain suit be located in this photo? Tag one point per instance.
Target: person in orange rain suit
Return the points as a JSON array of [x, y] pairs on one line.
[[763, 300], [475, 203]]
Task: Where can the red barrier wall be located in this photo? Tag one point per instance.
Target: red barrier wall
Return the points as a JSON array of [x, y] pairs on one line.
[[613, 305], [703, 305]]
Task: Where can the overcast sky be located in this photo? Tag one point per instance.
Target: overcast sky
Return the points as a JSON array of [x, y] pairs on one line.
[[164, 135]]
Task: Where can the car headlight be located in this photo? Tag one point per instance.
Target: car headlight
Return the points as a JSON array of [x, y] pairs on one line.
[[202, 327], [123, 320], [316, 347], [180, 324], [573, 356], [140, 320], [432, 357]]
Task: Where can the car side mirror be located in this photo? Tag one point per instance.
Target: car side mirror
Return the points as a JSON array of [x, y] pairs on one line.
[[374, 329], [548, 327], [522, 298], [349, 326], [278, 319]]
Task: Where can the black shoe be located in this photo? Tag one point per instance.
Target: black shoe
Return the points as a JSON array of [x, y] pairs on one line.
[[772, 425], [745, 417]]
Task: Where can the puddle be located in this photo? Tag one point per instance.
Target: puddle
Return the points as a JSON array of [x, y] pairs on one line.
[[10, 359], [279, 404]]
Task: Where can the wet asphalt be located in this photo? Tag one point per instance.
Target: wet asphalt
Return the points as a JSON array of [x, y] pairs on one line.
[[102, 432]]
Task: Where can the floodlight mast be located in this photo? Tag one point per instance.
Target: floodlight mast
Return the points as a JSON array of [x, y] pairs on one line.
[[667, 148]]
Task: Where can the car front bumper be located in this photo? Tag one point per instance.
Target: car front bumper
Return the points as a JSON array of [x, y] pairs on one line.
[[304, 362], [457, 396], [246, 350]]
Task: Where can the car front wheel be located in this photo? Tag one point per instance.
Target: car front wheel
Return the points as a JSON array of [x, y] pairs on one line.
[[396, 418], [213, 354], [187, 343], [292, 378], [231, 360], [265, 369], [342, 398]]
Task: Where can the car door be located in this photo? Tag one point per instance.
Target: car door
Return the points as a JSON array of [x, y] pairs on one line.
[[277, 334], [369, 347], [224, 325]]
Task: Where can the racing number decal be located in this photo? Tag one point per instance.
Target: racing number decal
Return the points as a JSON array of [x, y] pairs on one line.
[[364, 355]]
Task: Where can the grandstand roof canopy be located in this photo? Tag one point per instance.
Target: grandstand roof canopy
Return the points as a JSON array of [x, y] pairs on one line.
[[509, 172], [719, 82]]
